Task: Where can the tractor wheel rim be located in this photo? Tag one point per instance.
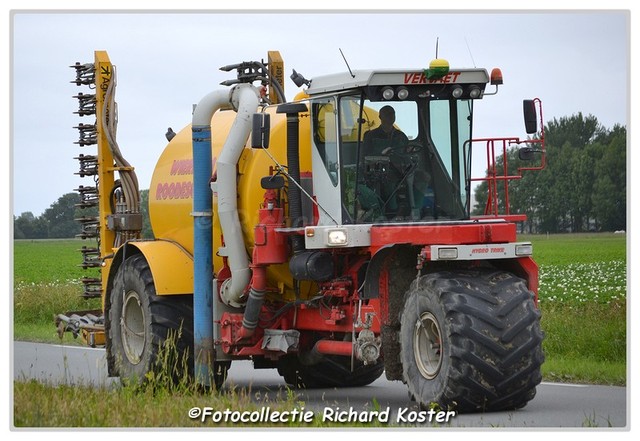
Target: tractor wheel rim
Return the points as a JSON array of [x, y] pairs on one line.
[[427, 342], [132, 326]]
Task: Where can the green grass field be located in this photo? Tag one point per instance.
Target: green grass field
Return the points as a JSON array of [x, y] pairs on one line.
[[46, 283], [47, 261], [583, 299]]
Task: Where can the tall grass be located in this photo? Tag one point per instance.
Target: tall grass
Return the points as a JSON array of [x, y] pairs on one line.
[[152, 405], [35, 306]]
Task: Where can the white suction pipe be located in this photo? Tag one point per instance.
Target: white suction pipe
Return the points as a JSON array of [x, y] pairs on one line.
[[245, 99]]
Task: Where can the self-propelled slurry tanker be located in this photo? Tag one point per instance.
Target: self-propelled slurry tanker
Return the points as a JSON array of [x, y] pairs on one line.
[[328, 237]]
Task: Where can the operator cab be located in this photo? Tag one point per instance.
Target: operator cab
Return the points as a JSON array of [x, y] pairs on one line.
[[393, 146]]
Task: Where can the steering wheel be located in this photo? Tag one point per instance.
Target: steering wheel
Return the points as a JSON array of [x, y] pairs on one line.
[[414, 147]]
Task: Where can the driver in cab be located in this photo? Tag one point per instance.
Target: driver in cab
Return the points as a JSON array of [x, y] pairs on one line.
[[386, 137], [379, 146]]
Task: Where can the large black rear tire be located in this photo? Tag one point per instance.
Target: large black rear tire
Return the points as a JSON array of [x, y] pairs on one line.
[[471, 341], [150, 333]]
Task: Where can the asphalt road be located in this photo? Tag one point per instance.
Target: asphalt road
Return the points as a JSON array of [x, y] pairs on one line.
[[556, 405]]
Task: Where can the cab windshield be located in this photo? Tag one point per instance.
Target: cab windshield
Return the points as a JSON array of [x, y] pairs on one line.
[[402, 161]]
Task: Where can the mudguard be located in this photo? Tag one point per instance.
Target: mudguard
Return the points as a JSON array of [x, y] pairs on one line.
[[171, 265]]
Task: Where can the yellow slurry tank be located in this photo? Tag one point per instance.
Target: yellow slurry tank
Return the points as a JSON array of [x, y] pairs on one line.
[[171, 188]]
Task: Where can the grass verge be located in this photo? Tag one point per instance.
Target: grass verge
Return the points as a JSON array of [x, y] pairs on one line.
[[58, 406]]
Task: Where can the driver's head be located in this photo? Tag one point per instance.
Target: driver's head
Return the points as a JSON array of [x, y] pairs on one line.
[[387, 115]]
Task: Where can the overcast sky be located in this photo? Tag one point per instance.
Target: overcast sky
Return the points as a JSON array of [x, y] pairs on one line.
[[575, 61]]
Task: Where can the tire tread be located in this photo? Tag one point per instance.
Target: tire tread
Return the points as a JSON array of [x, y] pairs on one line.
[[495, 338]]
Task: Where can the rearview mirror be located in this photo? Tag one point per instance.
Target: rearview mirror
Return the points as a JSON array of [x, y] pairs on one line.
[[526, 153], [260, 130], [274, 182], [530, 116]]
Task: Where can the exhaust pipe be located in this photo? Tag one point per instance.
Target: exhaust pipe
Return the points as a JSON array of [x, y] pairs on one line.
[[293, 163], [332, 347]]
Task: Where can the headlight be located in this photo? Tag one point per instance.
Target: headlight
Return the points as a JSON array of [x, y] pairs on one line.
[[387, 93], [524, 249], [447, 253], [474, 93], [336, 237], [403, 93]]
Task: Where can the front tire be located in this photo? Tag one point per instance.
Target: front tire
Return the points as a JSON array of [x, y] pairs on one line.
[[471, 341], [142, 325]]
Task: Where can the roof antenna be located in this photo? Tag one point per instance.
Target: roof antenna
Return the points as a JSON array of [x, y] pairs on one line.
[[470, 54], [345, 62], [437, 40]]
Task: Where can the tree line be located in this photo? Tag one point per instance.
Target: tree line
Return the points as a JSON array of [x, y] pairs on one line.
[[582, 188], [59, 220]]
